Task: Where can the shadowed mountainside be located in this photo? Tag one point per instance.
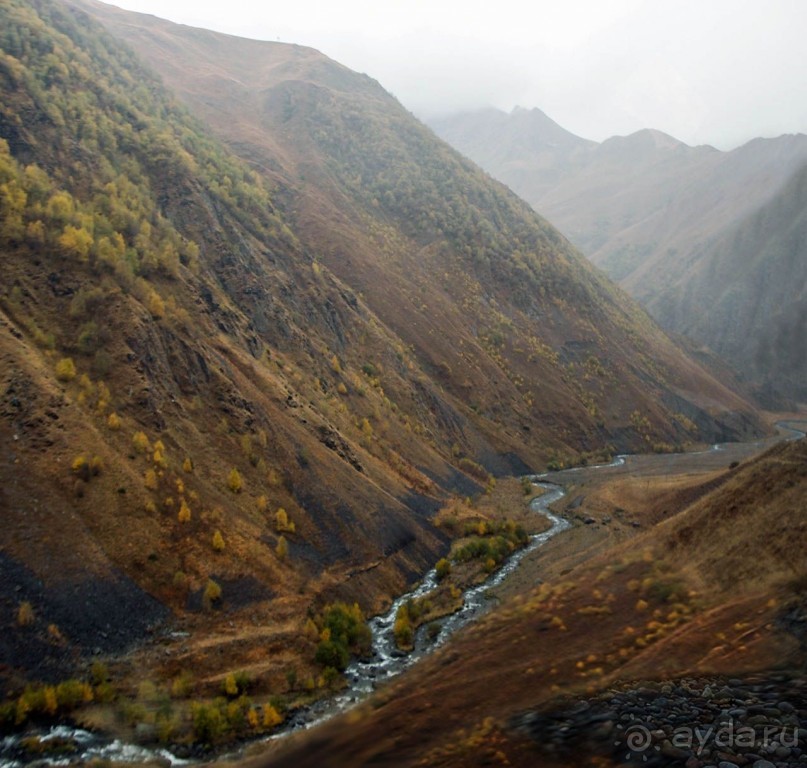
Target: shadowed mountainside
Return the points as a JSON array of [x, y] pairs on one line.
[[330, 315], [744, 296], [658, 216]]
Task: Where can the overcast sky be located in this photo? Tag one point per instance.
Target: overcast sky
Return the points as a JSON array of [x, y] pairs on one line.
[[706, 71]]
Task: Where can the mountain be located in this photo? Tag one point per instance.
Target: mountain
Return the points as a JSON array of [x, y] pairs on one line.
[[633, 204], [479, 284], [177, 364], [646, 208], [744, 295], [258, 326], [526, 149]]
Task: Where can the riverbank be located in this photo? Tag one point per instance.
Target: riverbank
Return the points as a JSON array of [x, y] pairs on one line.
[[597, 519], [693, 582], [494, 516]]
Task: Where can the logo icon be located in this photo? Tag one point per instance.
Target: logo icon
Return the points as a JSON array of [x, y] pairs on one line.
[[637, 740]]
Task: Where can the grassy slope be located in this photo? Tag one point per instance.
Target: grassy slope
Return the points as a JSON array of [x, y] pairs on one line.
[[700, 591], [245, 321], [495, 304], [238, 364]]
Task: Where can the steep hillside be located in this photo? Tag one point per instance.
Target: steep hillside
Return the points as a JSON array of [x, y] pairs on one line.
[[175, 364], [744, 295], [536, 353], [684, 229], [636, 205], [233, 392], [708, 593]]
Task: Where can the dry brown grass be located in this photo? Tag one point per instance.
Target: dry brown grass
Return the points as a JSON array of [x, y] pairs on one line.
[[652, 605]]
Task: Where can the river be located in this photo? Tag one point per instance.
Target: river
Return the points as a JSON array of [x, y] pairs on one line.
[[385, 661]]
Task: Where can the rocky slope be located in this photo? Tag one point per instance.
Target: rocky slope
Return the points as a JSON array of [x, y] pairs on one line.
[[332, 315]]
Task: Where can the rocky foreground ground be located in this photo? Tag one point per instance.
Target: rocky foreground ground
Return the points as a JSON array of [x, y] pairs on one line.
[[759, 721]]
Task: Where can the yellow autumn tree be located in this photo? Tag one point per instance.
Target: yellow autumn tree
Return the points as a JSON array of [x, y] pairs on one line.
[[76, 242], [51, 701], [158, 457], [155, 305], [25, 614], [140, 442], [218, 541], [310, 630], [271, 717], [184, 514], [211, 594], [230, 685], [150, 480], [282, 548], [234, 481], [66, 369]]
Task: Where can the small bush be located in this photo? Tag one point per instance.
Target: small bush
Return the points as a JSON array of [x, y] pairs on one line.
[[332, 654], [66, 369], [182, 686], [234, 481], [113, 421], [209, 723], [443, 568], [25, 614]]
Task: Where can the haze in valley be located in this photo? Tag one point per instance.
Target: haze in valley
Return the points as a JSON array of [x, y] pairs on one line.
[[718, 73]]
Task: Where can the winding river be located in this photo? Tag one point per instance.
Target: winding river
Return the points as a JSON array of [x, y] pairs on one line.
[[384, 663], [363, 677]]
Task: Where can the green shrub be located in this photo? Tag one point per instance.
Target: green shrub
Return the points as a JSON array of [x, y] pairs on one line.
[[443, 568]]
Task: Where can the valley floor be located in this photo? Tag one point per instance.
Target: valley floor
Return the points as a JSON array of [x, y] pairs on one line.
[[661, 578]]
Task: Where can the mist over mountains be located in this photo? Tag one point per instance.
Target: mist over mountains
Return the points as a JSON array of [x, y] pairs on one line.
[[277, 359], [655, 214]]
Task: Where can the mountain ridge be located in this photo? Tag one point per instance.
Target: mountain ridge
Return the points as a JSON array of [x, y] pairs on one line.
[[249, 353], [243, 134], [648, 209]]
